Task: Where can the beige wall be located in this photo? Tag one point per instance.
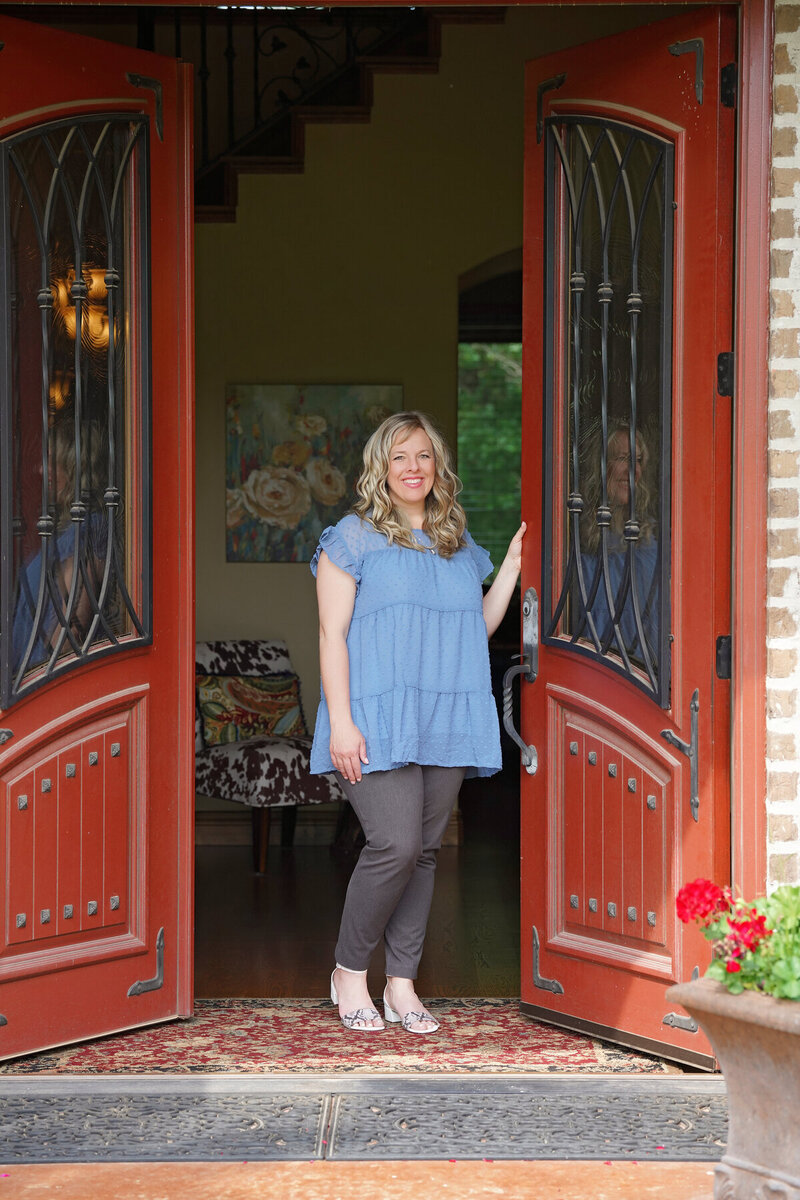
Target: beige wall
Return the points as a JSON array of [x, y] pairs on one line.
[[349, 273]]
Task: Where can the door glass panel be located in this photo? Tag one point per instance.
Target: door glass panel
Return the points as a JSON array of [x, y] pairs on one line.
[[608, 397], [75, 407]]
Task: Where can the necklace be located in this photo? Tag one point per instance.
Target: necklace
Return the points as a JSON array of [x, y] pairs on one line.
[[417, 533]]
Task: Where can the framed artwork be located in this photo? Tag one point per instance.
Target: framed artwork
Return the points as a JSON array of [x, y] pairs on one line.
[[293, 455]]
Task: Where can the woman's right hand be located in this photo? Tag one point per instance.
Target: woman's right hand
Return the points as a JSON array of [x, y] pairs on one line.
[[348, 750]]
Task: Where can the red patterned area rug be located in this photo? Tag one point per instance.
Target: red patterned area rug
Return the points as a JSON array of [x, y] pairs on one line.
[[256, 1037]]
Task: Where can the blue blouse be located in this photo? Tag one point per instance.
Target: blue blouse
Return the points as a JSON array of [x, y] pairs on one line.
[[420, 686], [645, 581]]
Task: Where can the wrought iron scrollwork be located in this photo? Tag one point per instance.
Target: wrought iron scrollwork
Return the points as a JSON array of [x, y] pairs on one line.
[[293, 57], [609, 229], [72, 584]]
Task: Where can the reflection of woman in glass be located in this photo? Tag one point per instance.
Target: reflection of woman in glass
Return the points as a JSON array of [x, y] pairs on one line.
[[620, 565], [76, 544]]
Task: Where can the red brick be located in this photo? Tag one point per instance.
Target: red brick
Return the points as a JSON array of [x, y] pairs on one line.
[[783, 868], [784, 464], [780, 263], [784, 502], [784, 383], [784, 144], [782, 787], [781, 663], [784, 100], [787, 18]]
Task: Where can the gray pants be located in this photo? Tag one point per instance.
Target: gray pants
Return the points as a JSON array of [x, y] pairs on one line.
[[404, 814]]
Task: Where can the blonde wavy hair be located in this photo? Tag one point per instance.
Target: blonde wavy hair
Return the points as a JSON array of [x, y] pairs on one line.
[[619, 438], [445, 520], [64, 466]]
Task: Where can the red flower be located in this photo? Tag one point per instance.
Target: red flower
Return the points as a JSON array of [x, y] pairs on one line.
[[748, 930], [732, 966], [701, 900]]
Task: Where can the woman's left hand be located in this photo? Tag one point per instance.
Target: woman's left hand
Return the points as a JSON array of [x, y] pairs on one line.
[[495, 602], [514, 552]]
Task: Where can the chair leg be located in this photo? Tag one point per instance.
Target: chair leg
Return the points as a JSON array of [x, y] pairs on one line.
[[288, 825], [261, 819]]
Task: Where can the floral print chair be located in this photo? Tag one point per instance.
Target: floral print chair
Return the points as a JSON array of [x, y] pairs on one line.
[[251, 744]]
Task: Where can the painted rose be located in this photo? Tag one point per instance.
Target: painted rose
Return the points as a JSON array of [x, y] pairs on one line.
[[310, 425], [291, 454], [277, 496], [234, 506], [328, 484]]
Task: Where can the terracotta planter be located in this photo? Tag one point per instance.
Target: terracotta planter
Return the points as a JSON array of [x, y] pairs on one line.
[[757, 1041]]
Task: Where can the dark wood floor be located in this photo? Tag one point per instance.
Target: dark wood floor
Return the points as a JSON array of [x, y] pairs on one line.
[[274, 935]]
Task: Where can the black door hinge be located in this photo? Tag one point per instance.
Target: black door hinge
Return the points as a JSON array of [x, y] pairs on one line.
[[725, 373], [729, 85], [724, 657]]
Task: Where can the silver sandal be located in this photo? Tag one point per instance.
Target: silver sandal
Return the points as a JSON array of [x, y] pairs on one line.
[[411, 1018], [358, 1020]]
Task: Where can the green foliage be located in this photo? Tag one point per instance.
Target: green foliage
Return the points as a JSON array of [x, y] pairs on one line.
[[772, 965], [489, 435]]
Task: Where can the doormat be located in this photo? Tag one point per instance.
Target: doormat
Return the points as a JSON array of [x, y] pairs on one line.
[[287, 1118], [248, 1036]]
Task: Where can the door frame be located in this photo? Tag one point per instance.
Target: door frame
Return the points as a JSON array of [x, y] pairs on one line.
[[750, 425]]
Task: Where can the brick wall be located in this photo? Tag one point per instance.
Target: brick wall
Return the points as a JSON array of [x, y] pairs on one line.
[[783, 618]]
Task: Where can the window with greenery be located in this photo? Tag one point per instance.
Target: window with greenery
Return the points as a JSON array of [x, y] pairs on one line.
[[489, 435]]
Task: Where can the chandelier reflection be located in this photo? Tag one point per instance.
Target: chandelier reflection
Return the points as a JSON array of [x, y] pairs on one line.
[[91, 293], [60, 389]]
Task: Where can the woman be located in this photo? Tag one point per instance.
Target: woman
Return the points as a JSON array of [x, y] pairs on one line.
[[78, 540], [629, 560], [407, 708]]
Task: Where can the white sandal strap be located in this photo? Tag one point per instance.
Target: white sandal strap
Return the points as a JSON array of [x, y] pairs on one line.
[[414, 1018], [360, 1016]]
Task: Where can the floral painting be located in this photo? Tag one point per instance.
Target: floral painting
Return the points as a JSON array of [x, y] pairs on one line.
[[293, 458]]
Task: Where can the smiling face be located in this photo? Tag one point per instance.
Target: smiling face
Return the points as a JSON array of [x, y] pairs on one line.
[[412, 471]]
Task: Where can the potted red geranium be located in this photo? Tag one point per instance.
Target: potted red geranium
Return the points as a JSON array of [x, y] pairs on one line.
[[748, 1006]]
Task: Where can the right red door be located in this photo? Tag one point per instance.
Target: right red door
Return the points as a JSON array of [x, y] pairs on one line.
[[626, 489]]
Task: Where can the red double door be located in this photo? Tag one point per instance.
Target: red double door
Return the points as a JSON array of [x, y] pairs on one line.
[[626, 490]]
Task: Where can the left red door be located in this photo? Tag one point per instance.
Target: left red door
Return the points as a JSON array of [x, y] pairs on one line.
[[96, 484]]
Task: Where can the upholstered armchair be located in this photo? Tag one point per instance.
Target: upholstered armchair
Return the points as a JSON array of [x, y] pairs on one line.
[[251, 744]]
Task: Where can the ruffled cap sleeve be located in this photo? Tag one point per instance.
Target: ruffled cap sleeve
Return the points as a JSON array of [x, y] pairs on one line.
[[479, 556], [342, 544]]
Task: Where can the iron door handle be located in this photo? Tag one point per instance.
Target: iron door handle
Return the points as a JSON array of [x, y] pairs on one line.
[[530, 633], [5, 736], [529, 667], [690, 750], [530, 758]]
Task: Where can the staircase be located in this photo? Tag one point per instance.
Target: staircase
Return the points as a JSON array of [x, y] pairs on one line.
[[262, 75]]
